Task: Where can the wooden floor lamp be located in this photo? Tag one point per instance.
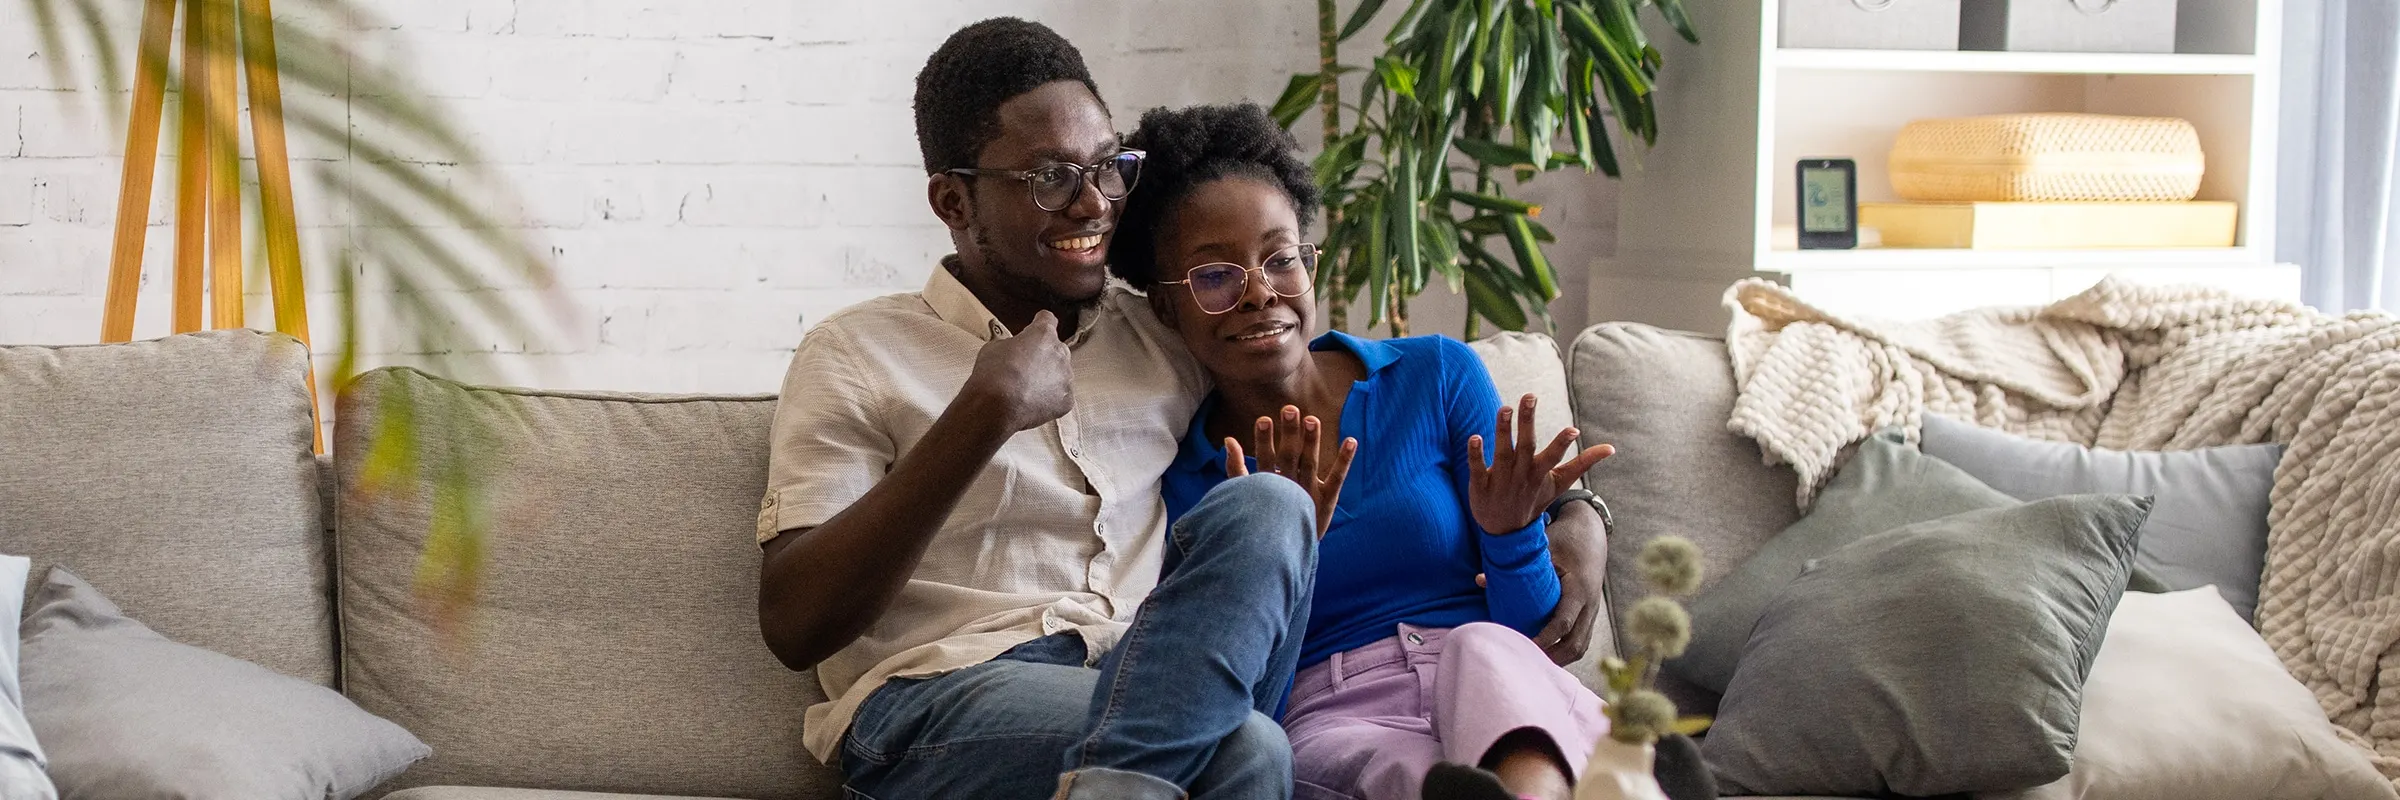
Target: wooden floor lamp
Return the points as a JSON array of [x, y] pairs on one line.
[[208, 203]]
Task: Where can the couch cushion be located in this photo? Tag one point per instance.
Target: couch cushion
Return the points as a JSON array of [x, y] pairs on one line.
[[1528, 363], [481, 793], [2210, 528], [614, 645], [127, 714], [1886, 485], [176, 476], [1932, 659], [2186, 702], [1662, 397]]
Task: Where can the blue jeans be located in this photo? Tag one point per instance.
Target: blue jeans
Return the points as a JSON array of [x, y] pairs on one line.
[[1179, 708]]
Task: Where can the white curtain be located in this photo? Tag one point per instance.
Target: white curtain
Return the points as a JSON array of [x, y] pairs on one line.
[[2338, 210]]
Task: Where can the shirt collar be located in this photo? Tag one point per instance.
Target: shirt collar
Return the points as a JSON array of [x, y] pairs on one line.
[[954, 303], [1374, 353]]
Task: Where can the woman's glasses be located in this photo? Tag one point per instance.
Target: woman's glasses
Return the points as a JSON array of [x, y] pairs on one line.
[[1218, 287], [1056, 186]]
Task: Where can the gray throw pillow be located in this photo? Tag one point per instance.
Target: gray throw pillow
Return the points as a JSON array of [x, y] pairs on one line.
[[22, 775], [127, 714], [1942, 657], [1885, 485], [2210, 527]]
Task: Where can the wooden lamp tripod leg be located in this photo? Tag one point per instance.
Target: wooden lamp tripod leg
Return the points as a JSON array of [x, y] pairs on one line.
[[224, 169], [275, 181], [208, 177], [141, 163], [191, 173]]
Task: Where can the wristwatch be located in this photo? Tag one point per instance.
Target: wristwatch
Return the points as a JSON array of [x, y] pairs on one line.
[[1608, 521]]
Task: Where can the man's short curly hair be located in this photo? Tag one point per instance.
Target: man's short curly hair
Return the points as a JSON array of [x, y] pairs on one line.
[[1193, 146], [983, 65]]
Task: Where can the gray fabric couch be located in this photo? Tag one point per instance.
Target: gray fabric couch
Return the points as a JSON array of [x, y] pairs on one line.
[[614, 651]]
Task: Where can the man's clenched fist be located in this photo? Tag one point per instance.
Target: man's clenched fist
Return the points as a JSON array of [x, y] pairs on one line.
[[1027, 379]]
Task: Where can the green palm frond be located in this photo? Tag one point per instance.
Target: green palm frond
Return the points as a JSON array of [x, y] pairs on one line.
[[409, 233]]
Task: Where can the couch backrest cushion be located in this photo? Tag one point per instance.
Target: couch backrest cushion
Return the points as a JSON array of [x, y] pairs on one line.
[[1662, 398], [176, 476], [614, 644], [1523, 363]]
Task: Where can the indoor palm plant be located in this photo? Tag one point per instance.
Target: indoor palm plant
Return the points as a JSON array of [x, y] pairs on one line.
[[419, 223], [1508, 87]]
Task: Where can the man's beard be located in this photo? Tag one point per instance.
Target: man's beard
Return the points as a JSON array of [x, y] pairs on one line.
[[1027, 285]]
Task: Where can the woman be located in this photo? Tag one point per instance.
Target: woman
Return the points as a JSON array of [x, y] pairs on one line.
[[1409, 660]]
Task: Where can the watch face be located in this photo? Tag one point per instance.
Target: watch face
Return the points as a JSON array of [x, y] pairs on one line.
[[1825, 198]]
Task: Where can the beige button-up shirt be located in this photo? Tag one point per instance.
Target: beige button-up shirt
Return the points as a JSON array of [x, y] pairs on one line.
[[1063, 531]]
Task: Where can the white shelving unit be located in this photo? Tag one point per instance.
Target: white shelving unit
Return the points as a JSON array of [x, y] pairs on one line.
[[2025, 63], [1737, 111]]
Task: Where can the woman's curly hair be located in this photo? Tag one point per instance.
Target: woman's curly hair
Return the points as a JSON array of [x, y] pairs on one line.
[[1192, 146]]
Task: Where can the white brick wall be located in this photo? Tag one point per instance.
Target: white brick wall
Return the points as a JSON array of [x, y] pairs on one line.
[[708, 177]]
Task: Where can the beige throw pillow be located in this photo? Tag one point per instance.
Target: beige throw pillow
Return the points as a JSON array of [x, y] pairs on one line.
[[2186, 702]]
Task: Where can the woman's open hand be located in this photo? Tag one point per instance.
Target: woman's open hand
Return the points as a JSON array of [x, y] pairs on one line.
[[1290, 448], [1521, 482]]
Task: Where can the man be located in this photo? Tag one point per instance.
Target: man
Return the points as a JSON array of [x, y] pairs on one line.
[[963, 514]]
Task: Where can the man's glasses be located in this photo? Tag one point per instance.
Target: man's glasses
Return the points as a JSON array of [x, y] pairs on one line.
[[1056, 186], [1218, 287]]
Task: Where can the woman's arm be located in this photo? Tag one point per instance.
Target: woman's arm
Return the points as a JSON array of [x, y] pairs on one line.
[[1520, 584], [1505, 493]]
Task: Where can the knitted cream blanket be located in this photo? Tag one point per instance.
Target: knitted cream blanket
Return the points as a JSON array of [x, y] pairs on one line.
[[2132, 367]]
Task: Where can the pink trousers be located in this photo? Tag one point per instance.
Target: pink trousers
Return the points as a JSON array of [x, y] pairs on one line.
[[1367, 724]]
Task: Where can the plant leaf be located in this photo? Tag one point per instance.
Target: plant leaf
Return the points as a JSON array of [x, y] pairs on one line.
[[1439, 234], [1692, 726], [1587, 31], [1481, 225], [1397, 76], [1616, 16], [1541, 232], [1300, 95], [1579, 106], [1378, 269], [1530, 261], [1477, 75], [1493, 202], [1360, 17], [1408, 262], [1493, 153], [1604, 151], [1673, 11], [1503, 68], [1340, 162], [1491, 301]]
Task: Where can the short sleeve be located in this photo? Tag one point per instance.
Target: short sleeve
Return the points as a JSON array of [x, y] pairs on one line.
[[829, 443]]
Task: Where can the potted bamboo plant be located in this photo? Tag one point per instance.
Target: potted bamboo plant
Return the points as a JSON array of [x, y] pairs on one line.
[[1464, 93]]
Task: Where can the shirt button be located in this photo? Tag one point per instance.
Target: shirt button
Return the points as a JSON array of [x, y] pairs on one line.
[[1415, 639]]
